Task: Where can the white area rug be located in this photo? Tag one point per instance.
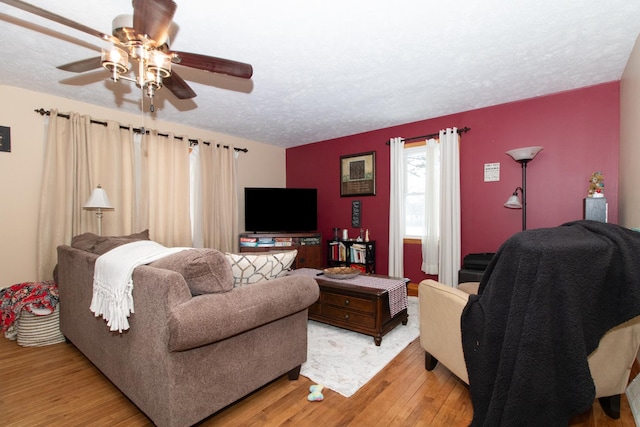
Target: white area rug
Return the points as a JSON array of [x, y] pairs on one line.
[[344, 361]]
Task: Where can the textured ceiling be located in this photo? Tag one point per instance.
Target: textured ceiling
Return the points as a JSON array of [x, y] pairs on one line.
[[325, 69]]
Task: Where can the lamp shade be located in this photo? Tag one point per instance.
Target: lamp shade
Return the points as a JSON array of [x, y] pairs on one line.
[[98, 200], [524, 153], [513, 202]]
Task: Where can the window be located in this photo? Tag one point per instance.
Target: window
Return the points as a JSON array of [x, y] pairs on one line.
[[415, 160]]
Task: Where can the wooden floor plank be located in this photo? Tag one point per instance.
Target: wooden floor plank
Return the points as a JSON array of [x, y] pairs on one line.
[[57, 385]]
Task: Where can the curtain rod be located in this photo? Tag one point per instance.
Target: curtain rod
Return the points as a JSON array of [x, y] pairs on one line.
[[433, 135], [44, 112]]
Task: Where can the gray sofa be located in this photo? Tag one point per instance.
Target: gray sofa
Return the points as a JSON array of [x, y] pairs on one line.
[[186, 357]]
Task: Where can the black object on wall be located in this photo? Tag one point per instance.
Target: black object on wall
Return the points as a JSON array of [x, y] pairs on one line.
[[356, 211], [5, 138], [595, 208]]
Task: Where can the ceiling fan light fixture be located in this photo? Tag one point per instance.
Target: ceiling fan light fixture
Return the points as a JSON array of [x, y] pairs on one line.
[[144, 38], [116, 61], [159, 64]]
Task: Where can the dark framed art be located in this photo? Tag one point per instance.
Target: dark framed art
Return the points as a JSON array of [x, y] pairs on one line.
[[358, 174]]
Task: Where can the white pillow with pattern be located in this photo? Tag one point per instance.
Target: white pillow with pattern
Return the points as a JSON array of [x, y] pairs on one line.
[[253, 267]]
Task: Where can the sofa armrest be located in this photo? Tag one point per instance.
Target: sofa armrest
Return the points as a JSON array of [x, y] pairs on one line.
[[612, 361], [205, 319], [440, 333]]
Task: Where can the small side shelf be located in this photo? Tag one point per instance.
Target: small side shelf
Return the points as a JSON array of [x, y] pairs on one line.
[[361, 255]]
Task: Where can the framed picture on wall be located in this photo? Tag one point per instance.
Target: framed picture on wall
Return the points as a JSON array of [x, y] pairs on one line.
[[358, 174]]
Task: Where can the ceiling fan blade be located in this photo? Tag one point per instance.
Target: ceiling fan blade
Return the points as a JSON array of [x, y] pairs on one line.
[[178, 86], [212, 64], [59, 19], [82, 65], [153, 18]]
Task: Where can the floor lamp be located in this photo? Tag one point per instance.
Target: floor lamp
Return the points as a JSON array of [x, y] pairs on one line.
[[523, 156], [98, 201]]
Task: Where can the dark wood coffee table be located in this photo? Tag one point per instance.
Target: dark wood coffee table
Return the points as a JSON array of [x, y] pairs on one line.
[[356, 308]]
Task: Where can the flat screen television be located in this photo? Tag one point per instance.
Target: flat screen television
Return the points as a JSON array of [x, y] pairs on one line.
[[282, 210]]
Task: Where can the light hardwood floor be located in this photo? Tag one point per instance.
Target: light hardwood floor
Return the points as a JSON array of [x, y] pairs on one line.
[[56, 386]]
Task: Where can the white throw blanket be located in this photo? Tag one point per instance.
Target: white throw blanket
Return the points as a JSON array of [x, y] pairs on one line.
[[113, 280]]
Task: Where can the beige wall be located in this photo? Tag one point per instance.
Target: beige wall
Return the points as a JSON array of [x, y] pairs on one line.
[[21, 169], [629, 172]]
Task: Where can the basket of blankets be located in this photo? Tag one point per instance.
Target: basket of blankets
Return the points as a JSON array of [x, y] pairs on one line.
[[29, 312]]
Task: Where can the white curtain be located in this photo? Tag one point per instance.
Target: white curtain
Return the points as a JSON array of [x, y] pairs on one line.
[[396, 209], [79, 156], [450, 245], [431, 234]]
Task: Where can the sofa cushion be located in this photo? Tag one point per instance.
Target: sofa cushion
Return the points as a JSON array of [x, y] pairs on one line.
[[206, 271], [255, 267], [100, 245]]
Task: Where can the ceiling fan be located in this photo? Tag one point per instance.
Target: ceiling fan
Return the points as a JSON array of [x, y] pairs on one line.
[[144, 38]]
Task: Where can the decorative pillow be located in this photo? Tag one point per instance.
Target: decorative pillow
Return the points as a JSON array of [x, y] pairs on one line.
[[102, 244], [206, 271], [255, 267]]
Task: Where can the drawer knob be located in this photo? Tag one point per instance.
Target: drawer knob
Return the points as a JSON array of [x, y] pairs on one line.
[[346, 302], [346, 317]]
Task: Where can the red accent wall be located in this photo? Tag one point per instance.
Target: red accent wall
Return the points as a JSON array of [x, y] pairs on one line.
[[579, 130]]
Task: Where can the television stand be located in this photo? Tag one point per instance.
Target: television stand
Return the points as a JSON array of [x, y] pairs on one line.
[[308, 245]]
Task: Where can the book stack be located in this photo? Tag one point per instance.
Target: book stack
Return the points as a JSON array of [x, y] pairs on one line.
[[266, 242], [358, 253], [250, 242], [283, 241], [338, 251]]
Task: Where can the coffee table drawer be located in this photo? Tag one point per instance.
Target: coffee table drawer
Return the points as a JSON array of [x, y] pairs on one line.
[[348, 316], [350, 302]]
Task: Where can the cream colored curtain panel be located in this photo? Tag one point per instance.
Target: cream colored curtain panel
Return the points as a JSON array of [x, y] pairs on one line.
[[79, 156], [148, 181], [165, 188], [219, 200]]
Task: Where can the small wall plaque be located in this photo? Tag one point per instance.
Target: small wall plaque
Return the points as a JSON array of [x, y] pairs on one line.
[[5, 138], [355, 213]]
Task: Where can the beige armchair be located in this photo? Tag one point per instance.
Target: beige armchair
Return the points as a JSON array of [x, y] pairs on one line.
[[440, 336]]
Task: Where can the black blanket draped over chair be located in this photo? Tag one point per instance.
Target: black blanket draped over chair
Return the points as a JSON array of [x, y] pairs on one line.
[[546, 299]]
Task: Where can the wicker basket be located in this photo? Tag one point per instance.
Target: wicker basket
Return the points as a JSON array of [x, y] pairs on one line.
[[39, 330]]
